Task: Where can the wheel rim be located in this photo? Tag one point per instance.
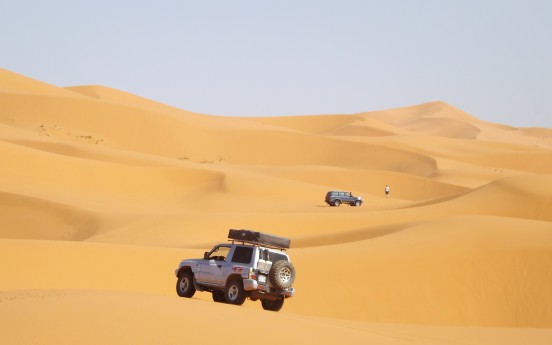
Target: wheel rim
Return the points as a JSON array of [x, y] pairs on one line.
[[233, 292], [184, 284], [285, 274]]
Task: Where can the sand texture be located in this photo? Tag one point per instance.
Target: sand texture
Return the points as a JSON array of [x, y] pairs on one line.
[[102, 193]]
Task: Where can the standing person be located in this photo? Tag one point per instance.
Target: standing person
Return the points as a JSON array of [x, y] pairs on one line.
[[387, 190]]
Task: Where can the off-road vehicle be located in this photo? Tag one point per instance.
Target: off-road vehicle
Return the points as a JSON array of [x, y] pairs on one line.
[[336, 198], [252, 265]]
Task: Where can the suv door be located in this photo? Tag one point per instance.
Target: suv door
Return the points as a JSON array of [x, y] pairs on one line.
[[349, 197], [211, 268]]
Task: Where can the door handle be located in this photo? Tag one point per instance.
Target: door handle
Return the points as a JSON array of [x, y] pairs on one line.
[[219, 266]]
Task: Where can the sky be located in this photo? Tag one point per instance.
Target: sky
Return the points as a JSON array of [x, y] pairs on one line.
[[490, 58]]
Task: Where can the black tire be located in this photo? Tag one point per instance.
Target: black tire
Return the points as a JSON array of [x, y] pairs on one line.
[[218, 296], [273, 305], [337, 202], [234, 292], [282, 274], [185, 284], [358, 203]]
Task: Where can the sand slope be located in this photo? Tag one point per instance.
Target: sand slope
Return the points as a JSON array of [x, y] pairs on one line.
[[103, 192]]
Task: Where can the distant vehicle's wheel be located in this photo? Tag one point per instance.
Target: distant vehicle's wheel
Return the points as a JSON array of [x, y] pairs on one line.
[[273, 305], [282, 274], [218, 296], [234, 292], [185, 284], [337, 202], [357, 203]]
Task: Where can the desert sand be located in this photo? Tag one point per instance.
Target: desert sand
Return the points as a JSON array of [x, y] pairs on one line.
[[102, 193]]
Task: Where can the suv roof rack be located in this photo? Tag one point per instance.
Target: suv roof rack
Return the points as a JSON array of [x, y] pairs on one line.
[[259, 238]]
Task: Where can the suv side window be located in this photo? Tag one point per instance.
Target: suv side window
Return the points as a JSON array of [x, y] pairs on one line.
[[276, 257], [242, 255], [219, 253]]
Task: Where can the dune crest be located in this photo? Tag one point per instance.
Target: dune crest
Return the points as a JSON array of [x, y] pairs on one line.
[[13, 83]]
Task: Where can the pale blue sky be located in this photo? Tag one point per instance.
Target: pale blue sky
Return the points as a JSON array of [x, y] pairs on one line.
[[491, 58]]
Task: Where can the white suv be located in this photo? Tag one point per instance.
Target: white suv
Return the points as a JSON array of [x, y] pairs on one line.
[[253, 265]]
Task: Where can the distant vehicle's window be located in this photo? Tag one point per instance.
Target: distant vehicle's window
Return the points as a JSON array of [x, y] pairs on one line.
[[242, 255]]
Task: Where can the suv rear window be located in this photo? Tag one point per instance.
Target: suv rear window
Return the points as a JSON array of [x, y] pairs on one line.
[[242, 255]]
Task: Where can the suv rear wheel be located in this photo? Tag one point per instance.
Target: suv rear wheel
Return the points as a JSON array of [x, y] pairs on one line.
[[275, 305], [234, 292], [185, 284], [337, 202]]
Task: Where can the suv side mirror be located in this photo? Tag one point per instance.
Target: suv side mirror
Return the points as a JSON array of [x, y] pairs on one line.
[[206, 255]]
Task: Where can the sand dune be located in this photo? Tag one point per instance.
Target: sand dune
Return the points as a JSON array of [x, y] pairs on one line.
[[102, 193], [469, 270], [131, 318]]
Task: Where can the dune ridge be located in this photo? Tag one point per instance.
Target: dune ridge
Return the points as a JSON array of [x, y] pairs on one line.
[[102, 192]]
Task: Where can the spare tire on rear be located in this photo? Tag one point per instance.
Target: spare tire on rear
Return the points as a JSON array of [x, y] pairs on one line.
[[282, 274]]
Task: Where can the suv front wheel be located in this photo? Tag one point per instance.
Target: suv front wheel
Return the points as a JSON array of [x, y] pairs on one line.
[[218, 296], [185, 284]]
